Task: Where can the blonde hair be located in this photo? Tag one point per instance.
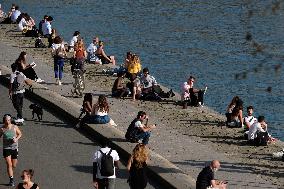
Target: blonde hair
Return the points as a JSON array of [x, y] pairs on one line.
[[80, 45], [140, 155]]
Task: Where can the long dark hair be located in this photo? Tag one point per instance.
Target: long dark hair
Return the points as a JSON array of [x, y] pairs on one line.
[[21, 59], [88, 98], [102, 103]]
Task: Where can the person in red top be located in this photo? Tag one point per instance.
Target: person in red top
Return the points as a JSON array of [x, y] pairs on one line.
[[80, 54]]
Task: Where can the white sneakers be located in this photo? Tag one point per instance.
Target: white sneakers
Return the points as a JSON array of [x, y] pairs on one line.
[[39, 80], [58, 82], [19, 120]]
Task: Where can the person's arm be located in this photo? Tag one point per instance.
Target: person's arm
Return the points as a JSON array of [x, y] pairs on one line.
[[88, 106], [104, 54], [18, 133], [128, 166], [241, 116], [74, 54], [85, 54], [28, 82], [49, 28], [147, 128], [116, 164], [246, 122], [37, 187]]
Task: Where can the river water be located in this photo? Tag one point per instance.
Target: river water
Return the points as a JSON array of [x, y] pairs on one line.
[[178, 38]]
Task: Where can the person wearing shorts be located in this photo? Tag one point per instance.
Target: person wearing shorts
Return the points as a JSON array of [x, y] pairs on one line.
[[11, 134]]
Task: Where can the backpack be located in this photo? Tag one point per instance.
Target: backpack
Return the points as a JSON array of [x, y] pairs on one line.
[[39, 43], [261, 139], [17, 84], [132, 131], [106, 167]]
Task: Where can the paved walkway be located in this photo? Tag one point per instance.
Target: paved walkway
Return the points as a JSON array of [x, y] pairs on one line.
[[184, 151]]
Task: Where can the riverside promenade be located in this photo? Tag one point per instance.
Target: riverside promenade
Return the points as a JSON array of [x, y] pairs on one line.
[[187, 152]]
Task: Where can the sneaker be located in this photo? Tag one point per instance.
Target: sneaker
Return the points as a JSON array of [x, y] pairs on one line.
[[200, 105], [11, 182], [278, 154], [38, 80], [59, 82], [19, 120]]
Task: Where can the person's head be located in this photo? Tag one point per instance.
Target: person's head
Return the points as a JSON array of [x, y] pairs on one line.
[[57, 40], [136, 60], [121, 74], [7, 118], [141, 115], [133, 77], [80, 45], [234, 101], [17, 7], [15, 67], [215, 165], [49, 19], [101, 43], [145, 71], [88, 97], [250, 110], [261, 119], [23, 55], [27, 175], [103, 104], [104, 143], [140, 154], [27, 16], [96, 40], [128, 55], [76, 33], [239, 104], [191, 80], [45, 17]]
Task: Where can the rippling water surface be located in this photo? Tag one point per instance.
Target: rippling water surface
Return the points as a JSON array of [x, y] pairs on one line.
[[176, 39]]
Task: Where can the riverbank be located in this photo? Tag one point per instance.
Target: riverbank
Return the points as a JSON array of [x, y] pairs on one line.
[[188, 138]]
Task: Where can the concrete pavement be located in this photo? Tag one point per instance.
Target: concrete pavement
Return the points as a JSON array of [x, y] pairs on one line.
[[60, 155]]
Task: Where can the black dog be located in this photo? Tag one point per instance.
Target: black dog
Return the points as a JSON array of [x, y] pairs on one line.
[[37, 109]]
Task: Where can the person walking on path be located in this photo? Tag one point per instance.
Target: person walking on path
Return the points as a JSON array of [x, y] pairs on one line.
[[11, 134], [27, 183], [206, 179], [105, 162], [16, 91], [59, 53], [136, 166]]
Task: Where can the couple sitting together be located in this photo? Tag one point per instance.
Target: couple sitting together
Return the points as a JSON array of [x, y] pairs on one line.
[[97, 113], [144, 88]]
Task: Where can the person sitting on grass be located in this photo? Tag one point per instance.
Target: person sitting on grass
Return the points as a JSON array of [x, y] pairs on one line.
[[192, 96], [119, 89], [206, 178], [139, 131]]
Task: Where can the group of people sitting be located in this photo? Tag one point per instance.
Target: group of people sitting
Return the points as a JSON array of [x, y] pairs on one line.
[[141, 85], [255, 129]]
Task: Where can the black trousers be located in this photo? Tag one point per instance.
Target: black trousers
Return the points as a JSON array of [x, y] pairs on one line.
[[17, 100], [30, 73]]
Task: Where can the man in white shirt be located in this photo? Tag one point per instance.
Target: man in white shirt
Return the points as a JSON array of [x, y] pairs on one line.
[[73, 41], [92, 48], [259, 126], [15, 14], [47, 30], [99, 181], [249, 119]]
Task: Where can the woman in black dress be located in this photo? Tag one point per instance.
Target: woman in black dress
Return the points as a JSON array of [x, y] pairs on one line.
[[27, 180], [136, 166]]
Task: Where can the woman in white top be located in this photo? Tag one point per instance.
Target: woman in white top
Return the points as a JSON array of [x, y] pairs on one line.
[[59, 53], [100, 111], [73, 41]]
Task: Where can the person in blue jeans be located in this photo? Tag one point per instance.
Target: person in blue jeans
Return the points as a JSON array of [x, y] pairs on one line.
[[59, 53], [143, 130]]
